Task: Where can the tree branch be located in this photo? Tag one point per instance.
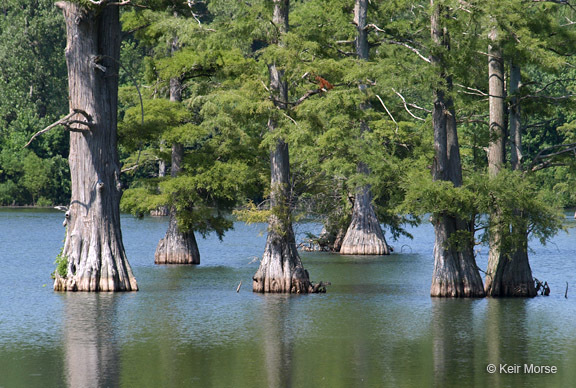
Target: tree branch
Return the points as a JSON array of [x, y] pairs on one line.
[[562, 2], [406, 106], [473, 91], [413, 49], [544, 154], [389, 114], [66, 122], [306, 95]]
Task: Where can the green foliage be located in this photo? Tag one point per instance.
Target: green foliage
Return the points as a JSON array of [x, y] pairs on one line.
[[251, 213], [219, 51], [61, 265], [519, 203], [520, 206], [33, 95]]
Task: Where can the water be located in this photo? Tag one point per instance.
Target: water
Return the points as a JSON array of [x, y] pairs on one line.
[[187, 327]]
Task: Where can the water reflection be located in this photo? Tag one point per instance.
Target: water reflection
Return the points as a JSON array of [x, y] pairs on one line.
[[454, 347], [278, 341], [506, 338], [92, 357], [187, 327]]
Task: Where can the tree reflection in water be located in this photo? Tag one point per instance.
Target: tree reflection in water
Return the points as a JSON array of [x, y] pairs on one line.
[[92, 356]]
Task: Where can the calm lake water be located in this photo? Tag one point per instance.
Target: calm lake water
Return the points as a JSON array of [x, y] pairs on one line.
[[187, 327]]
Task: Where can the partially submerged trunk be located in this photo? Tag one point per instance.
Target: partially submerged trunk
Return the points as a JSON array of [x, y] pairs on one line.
[[508, 272], [331, 238], [93, 246], [177, 247], [364, 235], [455, 271], [281, 270], [512, 275]]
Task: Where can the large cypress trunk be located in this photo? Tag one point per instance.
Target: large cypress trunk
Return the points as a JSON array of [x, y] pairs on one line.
[[281, 269], [455, 271], [508, 272], [364, 235], [177, 246], [93, 245]]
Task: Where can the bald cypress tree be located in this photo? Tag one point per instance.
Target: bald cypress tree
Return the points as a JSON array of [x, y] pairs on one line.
[[93, 249], [281, 270]]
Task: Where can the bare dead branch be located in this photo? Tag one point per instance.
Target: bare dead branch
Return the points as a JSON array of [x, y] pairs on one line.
[[387, 111], [472, 91], [265, 87], [373, 26], [306, 95], [66, 122], [290, 118], [406, 106], [344, 42], [553, 98], [545, 156], [413, 49], [134, 167]]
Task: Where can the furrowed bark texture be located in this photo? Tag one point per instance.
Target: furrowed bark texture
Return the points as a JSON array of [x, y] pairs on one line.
[[496, 100], [281, 270], [177, 247], [515, 118], [364, 235], [508, 272], [93, 245], [455, 271], [511, 275]]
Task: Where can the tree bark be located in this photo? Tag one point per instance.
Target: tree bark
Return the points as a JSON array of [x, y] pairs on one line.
[[455, 271], [281, 270], [177, 247], [515, 118], [508, 272], [93, 246], [496, 100], [364, 235]]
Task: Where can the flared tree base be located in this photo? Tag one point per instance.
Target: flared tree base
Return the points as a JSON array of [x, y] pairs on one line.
[[455, 271], [363, 242], [87, 284], [177, 247], [281, 270], [512, 278], [364, 235]]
